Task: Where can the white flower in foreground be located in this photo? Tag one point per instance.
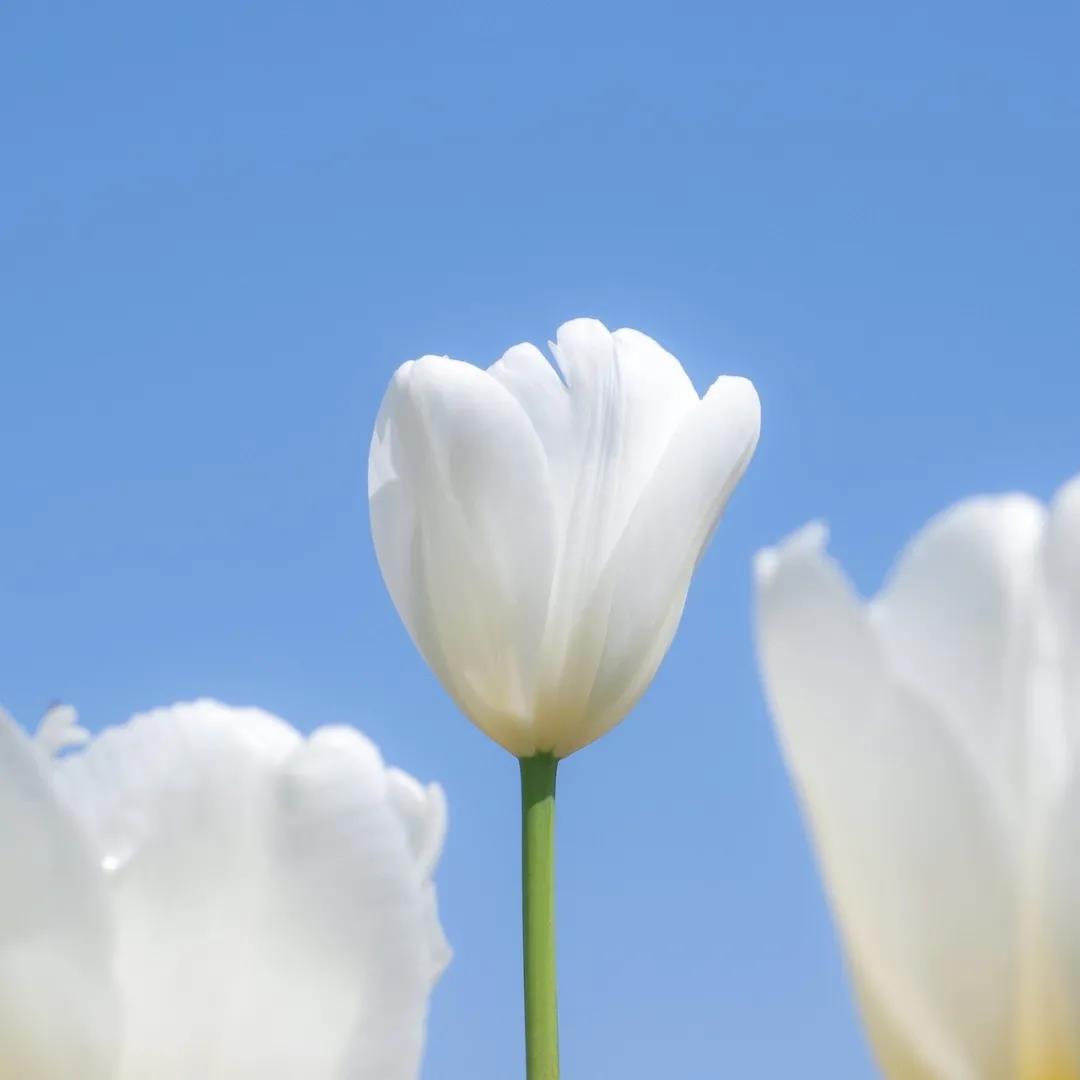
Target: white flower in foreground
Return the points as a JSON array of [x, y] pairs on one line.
[[934, 734], [204, 893], [538, 535]]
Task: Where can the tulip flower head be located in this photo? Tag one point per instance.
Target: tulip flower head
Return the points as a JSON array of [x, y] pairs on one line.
[[204, 893], [538, 534], [934, 735]]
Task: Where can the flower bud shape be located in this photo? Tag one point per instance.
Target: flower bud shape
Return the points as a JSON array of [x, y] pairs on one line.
[[538, 533], [934, 736]]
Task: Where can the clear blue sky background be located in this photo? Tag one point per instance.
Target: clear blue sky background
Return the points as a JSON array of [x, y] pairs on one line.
[[223, 225]]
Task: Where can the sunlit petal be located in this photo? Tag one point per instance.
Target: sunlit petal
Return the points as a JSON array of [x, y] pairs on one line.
[[537, 527], [909, 831], [272, 894], [59, 1008]]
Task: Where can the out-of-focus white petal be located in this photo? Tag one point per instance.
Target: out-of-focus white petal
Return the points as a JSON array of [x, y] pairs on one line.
[[273, 897], [1061, 570], [910, 835], [362, 901], [58, 1003], [422, 811], [1053, 988], [957, 617], [1062, 558], [60, 730], [464, 530], [1058, 995]]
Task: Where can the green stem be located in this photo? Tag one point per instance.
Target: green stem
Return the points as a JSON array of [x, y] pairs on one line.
[[538, 916]]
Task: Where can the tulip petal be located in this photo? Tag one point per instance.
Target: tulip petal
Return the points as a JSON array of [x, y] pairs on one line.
[[58, 1004], [1053, 986], [464, 529], [535, 384], [59, 730], [627, 396], [639, 599], [957, 615], [910, 835], [604, 433], [1061, 569], [500, 503], [274, 905], [1058, 686], [605, 430], [1062, 556]]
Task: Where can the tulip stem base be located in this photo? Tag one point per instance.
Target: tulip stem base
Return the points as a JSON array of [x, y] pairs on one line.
[[538, 915]]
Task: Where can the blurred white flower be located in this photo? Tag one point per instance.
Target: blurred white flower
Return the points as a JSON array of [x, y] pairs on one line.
[[934, 735], [202, 892], [538, 534]]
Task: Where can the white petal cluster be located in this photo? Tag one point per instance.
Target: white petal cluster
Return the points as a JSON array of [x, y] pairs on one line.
[[202, 892], [538, 534], [934, 734]]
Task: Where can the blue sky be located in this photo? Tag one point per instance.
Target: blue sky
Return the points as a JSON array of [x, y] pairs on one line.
[[224, 225]]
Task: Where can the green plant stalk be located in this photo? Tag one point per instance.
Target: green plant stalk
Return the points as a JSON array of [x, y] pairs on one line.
[[538, 916]]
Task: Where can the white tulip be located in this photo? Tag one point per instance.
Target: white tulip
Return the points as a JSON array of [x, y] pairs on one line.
[[538, 534], [204, 893], [934, 735]]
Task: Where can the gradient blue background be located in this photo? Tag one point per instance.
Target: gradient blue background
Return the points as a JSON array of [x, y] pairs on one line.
[[223, 225]]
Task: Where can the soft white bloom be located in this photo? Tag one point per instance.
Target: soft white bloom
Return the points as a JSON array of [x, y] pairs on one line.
[[538, 534], [202, 892], [934, 734]]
